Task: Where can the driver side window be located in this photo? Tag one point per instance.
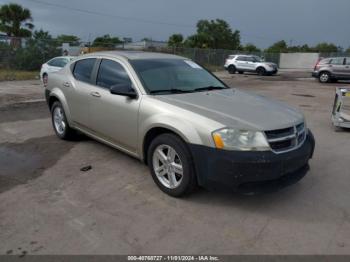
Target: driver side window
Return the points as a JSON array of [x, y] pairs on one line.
[[112, 74]]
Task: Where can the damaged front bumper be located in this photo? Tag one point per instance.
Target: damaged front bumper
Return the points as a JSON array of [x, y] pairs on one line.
[[240, 170]]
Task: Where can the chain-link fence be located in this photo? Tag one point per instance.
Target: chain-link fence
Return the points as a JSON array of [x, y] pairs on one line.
[[30, 54]]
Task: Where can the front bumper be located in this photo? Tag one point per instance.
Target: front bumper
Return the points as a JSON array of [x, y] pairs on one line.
[[238, 170], [315, 74], [273, 71]]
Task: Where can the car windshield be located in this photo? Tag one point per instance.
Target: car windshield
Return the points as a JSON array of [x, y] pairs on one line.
[[169, 76]]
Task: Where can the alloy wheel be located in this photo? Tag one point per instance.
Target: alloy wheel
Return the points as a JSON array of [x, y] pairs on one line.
[[59, 120], [167, 166]]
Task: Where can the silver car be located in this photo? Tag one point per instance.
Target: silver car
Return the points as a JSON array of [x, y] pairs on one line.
[[249, 63], [332, 69], [184, 123]]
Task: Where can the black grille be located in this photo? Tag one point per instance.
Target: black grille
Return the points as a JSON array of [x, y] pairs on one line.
[[286, 139], [279, 133]]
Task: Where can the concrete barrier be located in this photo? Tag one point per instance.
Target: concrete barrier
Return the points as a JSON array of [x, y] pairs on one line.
[[298, 60]]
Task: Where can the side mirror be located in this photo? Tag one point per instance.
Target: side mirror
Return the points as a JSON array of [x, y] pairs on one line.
[[123, 90]]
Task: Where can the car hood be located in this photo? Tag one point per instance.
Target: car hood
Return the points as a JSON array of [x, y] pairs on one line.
[[236, 108]]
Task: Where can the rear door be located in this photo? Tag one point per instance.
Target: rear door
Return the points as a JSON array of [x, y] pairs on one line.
[[80, 89]]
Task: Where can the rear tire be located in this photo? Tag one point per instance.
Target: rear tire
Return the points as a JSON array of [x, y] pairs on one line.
[[60, 123], [171, 165], [324, 77], [261, 71], [232, 69]]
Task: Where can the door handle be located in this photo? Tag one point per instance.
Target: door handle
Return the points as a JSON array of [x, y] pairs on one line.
[[66, 84], [95, 94]]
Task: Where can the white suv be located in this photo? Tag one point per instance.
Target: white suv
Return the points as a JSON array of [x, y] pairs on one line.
[[249, 63]]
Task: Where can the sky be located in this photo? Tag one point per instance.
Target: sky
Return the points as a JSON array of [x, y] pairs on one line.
[[261, 22]]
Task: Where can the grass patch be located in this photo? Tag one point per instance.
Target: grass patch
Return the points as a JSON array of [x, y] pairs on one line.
[[11, 75]]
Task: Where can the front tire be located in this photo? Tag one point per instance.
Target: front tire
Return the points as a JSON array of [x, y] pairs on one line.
[[60, 123], [261, 71], [171, 165]]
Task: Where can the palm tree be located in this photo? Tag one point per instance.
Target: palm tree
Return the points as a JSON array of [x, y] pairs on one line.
[[15, 21]]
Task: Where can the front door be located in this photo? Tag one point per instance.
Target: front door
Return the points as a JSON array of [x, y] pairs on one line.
[[347, 67], [241, 63], [114, 117], [337, 66]]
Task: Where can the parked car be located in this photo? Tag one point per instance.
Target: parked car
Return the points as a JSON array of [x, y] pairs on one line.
[[249, 63], [332, 69], [183, 122], [53, 65]]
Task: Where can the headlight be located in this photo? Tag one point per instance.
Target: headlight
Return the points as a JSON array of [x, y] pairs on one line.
[[241, 140]]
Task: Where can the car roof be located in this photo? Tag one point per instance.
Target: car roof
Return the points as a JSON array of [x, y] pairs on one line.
[[66, 56], [135, 55], [246, 55]]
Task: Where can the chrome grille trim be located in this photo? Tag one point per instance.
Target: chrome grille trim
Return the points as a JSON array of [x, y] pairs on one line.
[[287, 139]]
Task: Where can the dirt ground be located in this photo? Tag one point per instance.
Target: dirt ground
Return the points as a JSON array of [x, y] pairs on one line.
[[49, 206]]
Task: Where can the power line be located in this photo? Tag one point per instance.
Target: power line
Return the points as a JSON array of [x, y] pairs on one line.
[[135, 19]]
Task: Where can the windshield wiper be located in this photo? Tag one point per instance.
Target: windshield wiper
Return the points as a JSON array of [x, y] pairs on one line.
[[173, 91], [208, 88]]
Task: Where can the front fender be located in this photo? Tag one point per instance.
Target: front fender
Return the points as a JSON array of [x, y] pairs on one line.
[[181, 127]]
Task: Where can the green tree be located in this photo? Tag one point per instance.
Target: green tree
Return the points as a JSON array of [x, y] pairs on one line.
[[15, 21], [298, 48], [71, 39], [216, 34], [278, 47], [175, 40], [106, 41], [347, 50], [326, 48], [251, 48], [40, 48]]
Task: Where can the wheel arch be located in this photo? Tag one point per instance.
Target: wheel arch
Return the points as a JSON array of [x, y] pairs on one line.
[[260, 66], [57, 95], [183, 131]]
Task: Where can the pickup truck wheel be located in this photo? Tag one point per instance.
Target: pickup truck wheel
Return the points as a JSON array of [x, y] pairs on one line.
[[171, 165], [324, 77], [60, 123], [232, 69], [261, 71]]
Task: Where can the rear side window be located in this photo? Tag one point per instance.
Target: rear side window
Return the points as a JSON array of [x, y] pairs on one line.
[[111, 74], [83, 69], [347, 62], [231, 56], [337, 61]]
